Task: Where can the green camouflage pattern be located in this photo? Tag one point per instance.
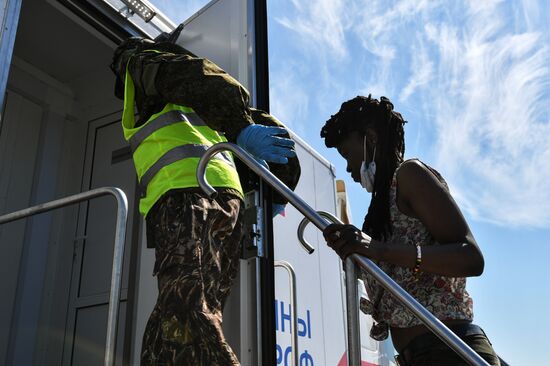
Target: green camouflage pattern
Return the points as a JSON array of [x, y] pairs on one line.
[[178, 76], [184, 79], [197, 247]]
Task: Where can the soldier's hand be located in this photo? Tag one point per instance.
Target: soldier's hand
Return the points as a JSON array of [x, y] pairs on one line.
[[265, 143]]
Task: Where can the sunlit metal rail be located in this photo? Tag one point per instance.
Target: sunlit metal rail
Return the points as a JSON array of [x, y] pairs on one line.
[[118, 252]]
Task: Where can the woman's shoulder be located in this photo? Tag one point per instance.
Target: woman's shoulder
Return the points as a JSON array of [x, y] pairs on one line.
[[410, 163], [415, 171], [410, 167]]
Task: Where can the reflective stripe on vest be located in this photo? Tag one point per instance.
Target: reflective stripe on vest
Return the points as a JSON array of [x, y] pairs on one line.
[[178, 153], [166, 119], [166, 150]]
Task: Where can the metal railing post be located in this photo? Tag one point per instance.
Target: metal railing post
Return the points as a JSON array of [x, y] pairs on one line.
[[294, 309], [118, 251], [353, 353], [352, 314]]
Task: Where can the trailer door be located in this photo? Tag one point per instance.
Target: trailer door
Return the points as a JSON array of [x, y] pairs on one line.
[[223, 31]]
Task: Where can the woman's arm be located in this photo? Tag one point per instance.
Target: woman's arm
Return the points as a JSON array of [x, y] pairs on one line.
[[421, 195]]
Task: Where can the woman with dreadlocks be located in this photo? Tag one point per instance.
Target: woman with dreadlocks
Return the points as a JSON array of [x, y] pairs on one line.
[[413, 230]]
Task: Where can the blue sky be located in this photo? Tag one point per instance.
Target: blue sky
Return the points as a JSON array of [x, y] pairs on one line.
[[473, 80]]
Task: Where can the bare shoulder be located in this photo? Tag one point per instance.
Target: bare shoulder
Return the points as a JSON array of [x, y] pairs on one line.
[[410, 171], [413, 177]]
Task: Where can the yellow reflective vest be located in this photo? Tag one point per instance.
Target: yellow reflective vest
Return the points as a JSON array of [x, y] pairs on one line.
[[167, 148]]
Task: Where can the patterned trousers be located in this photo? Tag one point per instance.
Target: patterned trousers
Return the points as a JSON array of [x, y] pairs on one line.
[[197, 247]]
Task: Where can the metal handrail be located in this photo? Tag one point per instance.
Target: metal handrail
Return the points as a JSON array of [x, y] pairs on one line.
[[118, 254], [293, 307], [305, 221], [433, 324], [353, 353], [263, 172]]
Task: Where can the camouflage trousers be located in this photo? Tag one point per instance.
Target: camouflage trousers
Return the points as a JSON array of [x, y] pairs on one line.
[[197, 247]]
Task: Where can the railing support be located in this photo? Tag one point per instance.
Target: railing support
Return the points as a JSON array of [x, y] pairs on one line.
[[294, 309], [352, 314], [118, 252], [353, 344]]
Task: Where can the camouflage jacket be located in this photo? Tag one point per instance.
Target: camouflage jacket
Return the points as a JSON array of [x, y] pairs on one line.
[[175, 75]]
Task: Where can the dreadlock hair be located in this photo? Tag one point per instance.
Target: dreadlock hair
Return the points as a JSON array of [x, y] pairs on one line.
[[359, 114]]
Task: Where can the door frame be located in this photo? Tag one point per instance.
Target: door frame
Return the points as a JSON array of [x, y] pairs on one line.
[[126, 295]]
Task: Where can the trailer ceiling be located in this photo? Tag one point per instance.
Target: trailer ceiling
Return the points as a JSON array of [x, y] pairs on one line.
[[56, 44]]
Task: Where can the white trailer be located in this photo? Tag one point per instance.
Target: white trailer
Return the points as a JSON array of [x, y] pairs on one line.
[[60, 134]]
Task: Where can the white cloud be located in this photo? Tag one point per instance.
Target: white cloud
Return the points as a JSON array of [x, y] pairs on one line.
[[493, 127], [421, 72], [289, 101], [320, 25], [377, 21], [531, 13], [481, 69]]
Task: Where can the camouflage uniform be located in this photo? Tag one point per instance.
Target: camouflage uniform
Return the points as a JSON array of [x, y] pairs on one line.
[[197, 241], [197, 255]]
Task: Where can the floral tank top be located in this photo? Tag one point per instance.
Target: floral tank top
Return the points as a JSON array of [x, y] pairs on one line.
[[444, 297]]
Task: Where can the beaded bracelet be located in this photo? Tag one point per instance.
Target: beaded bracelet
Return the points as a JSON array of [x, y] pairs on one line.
[[416, 269]]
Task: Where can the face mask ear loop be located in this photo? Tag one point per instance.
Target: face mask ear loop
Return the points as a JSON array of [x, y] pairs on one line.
[[365, 149]]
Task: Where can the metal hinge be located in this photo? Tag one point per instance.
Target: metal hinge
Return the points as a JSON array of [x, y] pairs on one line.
[[76, 241], [253, 217]]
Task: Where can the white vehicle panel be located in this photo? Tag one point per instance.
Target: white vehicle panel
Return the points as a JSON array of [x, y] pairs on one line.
[[320, 308]]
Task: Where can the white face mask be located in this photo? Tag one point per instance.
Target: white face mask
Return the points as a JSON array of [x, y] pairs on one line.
[[368, 173]]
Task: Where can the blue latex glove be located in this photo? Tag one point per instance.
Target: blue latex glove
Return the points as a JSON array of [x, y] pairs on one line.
[[262, 162], [263, 142], [277, 209]]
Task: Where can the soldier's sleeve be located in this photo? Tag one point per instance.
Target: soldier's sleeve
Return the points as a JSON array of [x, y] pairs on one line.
[[220, 100], [288, 173]]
